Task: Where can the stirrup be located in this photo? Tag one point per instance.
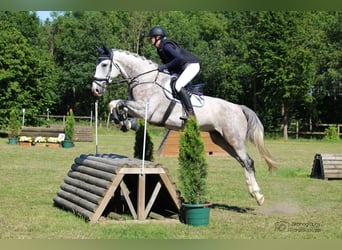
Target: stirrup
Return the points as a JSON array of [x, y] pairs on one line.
[[183, 117], [187, 115]]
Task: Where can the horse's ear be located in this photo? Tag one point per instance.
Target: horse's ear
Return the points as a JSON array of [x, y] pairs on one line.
[[107, 51], [100, 50]]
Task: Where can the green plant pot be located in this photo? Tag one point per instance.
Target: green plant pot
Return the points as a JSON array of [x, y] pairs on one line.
[[12, 141], [67, 144], [196, 214]]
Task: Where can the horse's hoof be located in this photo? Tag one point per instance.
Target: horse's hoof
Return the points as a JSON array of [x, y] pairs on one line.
[[260, 199]]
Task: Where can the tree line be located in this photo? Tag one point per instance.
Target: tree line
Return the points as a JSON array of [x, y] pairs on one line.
[[285, 65]]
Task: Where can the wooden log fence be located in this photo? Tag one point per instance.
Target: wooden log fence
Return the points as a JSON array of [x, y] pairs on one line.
[[82, 133], [327, 166], [34, 132], [298, 132], [99, 185]]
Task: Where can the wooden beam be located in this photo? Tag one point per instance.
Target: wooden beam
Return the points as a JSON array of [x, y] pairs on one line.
[[152, 199], [110, 192], [138, 170], [125, 192], [141, 196], [170, 188]]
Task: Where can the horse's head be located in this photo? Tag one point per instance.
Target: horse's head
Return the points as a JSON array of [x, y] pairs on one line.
[[105, 71]]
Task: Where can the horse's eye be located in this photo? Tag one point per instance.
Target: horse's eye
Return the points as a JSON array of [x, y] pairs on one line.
[[104, 65]]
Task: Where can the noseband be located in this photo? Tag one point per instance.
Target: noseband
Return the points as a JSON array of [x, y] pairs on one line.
[[98, 80]]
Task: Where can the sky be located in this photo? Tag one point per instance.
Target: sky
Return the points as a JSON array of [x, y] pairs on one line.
[[43, 15]]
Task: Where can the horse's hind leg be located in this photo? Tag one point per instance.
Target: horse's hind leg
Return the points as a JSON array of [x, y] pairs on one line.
[[240, 154], [253, 187]]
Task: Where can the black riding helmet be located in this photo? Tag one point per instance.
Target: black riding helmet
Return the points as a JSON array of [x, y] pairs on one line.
[[157, 31]]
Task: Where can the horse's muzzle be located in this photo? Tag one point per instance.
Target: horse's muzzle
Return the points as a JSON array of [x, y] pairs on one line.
[[97, 88], [95, 91]]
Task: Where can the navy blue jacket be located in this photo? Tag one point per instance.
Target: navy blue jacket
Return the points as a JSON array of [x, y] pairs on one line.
[[174, 57]]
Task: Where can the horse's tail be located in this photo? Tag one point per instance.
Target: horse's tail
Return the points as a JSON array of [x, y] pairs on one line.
[[255, 133]]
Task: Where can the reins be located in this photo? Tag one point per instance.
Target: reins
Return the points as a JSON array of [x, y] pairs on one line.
[[133, 79], [150, 82], [128, 79], [145, 73]]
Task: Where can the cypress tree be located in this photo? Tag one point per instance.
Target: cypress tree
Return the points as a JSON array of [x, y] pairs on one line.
[[193, 165]]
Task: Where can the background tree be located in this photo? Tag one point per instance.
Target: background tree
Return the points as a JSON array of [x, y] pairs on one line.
[[326, 90], [284, 65], [27, 75]]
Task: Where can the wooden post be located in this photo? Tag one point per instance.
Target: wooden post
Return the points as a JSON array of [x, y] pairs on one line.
[[141, 196]]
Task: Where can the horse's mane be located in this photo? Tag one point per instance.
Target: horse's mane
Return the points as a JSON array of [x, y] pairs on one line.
[[135, 55]]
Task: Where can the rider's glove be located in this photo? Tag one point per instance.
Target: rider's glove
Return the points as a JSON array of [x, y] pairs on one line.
[[161, 67]]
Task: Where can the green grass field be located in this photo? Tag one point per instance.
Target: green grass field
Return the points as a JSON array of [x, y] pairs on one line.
[[296, 206]]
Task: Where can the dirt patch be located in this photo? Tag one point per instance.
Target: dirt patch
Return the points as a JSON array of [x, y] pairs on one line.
[[285, 208]]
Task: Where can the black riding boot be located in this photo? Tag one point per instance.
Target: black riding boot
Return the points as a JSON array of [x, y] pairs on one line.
[[185, 98]]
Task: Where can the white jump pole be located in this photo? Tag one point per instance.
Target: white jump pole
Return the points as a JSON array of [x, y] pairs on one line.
[[96, 120], [145, 128], [23, 119]]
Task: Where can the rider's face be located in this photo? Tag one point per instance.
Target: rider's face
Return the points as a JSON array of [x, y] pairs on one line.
[[155, 41]]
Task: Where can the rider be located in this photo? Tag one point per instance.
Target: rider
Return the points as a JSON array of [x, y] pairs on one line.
[[177, 61]]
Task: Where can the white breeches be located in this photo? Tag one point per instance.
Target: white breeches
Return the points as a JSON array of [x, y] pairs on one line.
[[190, 71]]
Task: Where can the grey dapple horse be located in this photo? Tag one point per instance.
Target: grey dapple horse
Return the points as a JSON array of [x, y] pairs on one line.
[[229, 124]]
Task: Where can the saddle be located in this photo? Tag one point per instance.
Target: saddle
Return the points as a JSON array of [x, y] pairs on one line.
[[195, 92], [192, 89]]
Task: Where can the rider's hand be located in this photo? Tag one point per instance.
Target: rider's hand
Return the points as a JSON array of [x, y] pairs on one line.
[[161, 67]]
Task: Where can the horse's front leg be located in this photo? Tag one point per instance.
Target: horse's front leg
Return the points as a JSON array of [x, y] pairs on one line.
[[119, 116], [120, 111]]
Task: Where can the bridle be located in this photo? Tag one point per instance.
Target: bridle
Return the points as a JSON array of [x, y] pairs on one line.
[[97, 80], [133, 82]]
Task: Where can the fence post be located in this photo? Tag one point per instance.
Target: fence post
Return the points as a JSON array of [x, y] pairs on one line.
[[91, 119]]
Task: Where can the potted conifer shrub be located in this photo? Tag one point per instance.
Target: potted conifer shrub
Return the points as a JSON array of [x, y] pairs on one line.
[[69, 130], [193, 171], [14, 127]]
